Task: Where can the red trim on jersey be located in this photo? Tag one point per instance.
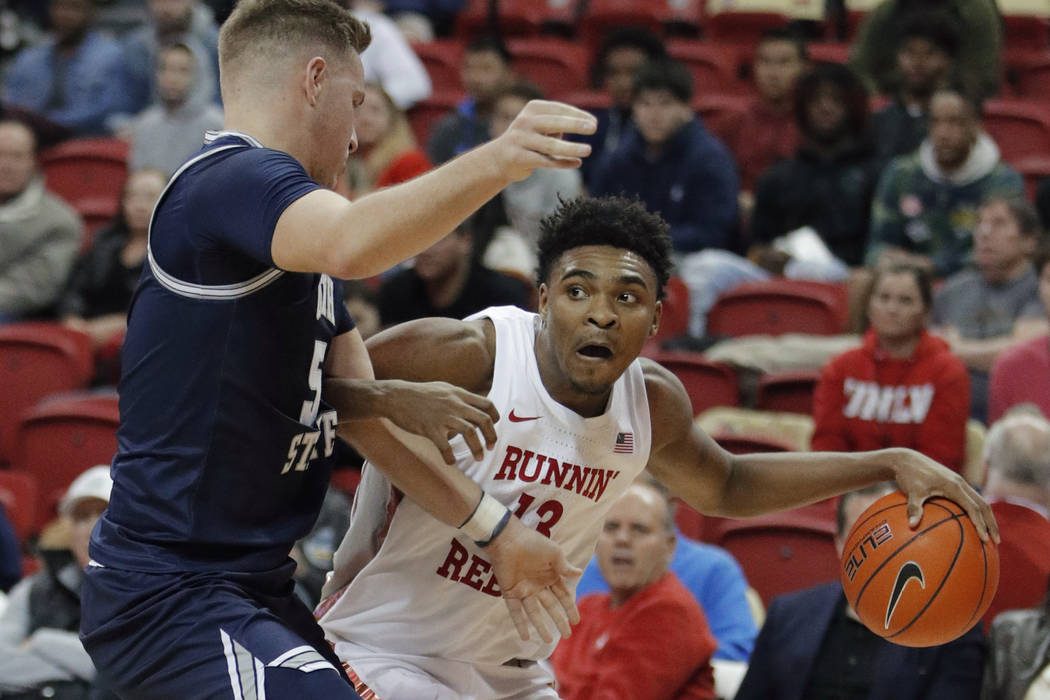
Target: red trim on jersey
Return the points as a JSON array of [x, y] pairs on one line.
[[363, 690]]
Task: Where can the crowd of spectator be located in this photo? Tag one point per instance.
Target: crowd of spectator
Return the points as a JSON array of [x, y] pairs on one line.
[[874, 175]]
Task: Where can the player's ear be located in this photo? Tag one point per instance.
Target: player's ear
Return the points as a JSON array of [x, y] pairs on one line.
[[658, 311], [541, 299], [313, 79]]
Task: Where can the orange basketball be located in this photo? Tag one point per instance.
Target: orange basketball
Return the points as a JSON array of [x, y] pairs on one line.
[[918, 587]]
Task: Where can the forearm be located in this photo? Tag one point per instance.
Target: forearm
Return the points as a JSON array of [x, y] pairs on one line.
[[357, 399], [415, 467], [420, 211], [763, 483]]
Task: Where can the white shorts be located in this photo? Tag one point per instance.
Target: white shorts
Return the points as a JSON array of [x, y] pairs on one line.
[[387, 676]]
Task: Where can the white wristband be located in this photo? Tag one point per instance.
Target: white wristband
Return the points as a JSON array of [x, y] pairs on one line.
[[482, 524]]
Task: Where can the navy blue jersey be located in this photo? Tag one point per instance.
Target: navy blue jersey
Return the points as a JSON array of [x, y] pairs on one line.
[[225, 446]]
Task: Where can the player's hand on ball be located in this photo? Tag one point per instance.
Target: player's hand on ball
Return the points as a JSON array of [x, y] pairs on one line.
[[535, 139], [921, 478], [438, 411], [538, 583]]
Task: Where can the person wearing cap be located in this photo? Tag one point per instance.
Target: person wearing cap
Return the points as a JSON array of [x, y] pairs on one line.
[[40, 647]]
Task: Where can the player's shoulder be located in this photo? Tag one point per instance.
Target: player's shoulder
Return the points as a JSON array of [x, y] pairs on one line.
[[662, 386], [670, 408]]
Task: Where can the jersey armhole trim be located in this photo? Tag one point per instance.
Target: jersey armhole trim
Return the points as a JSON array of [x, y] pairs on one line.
[[235, 290]]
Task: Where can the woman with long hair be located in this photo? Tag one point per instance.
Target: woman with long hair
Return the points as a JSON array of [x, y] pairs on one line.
[[387, 152], [903, 387]]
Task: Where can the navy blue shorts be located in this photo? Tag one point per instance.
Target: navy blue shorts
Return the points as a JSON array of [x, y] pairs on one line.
[[206, 635]]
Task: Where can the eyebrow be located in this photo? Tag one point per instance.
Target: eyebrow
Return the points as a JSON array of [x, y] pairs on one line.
[[629, 278]]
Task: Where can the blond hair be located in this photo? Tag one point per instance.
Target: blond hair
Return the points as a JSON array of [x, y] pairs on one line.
[[270, 27]]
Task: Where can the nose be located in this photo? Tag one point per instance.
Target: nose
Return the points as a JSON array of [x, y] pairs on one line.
[[353, 140], [602, 314]]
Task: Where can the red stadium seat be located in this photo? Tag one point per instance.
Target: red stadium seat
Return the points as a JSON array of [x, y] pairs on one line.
[[1021, 128], [19, 496], [1026, 31], [86, 169], [513, 17], [787, 391], [779, 306], [781, 552], [37, 359], [674, 319], [424, 114], [60, 438], [443, 61], [707, 383], [744, 28], [830, 52], [715, 67], [556, 66], [600, 16], [1028, 71], [689, 521]]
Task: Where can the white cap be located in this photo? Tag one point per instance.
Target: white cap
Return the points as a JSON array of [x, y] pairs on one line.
[[93, 483]]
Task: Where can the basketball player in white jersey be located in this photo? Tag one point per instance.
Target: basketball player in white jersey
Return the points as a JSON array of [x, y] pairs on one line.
[[582, 417]]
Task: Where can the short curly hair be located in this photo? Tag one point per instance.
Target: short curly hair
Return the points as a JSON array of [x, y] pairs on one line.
[[620, 222]]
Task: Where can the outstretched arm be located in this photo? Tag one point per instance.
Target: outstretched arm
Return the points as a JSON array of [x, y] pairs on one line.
[[713, 481], [323, 232]]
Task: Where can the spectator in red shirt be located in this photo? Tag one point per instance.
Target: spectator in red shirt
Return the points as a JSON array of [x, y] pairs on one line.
[[387, 152], [767, 131], [646, 638], [903, 387]]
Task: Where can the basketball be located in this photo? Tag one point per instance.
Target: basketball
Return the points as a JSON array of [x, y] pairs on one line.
[[920, 587]]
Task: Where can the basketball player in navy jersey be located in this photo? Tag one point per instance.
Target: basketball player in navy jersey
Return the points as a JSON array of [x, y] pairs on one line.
[[583, 416], [236, 329]]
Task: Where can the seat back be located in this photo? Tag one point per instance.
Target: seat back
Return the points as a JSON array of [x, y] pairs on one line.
[[18, 495], [707, 383], [780, 306], [781, 552], [37, 359], [787, 391], [715, 67], [556, 66], [86, 169], [513, 18], [1020, 128], [443, 61], [60, 438], [424, 114]]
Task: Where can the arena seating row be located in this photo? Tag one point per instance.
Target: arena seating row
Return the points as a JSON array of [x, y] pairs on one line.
[[739, 21]]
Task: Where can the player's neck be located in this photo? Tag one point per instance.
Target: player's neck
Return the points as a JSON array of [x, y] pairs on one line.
[[271, 129]]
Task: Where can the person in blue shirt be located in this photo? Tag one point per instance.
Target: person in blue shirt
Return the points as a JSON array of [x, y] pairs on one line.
[[672, 163], [71, 78], [717, 582], [238, 356]]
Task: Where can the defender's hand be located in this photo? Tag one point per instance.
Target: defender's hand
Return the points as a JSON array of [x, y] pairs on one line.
[[438, 411], [535, 139], [536, 580], [921, 478]]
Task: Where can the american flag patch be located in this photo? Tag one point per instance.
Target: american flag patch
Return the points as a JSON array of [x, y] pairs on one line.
[[624, 443]]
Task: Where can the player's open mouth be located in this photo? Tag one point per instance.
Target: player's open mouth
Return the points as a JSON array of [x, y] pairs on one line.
[[622, 561], [598, 352]]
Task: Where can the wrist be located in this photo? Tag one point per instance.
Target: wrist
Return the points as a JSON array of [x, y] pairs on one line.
[[487, 521]]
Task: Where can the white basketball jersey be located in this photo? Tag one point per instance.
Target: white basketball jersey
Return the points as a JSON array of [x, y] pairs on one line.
[[430, 590]]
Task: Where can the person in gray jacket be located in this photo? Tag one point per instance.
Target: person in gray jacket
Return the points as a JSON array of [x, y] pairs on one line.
[[1018, 665], [39, 233]]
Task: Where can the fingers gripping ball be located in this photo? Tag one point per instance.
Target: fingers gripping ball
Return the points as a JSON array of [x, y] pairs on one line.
[[920, 587]]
